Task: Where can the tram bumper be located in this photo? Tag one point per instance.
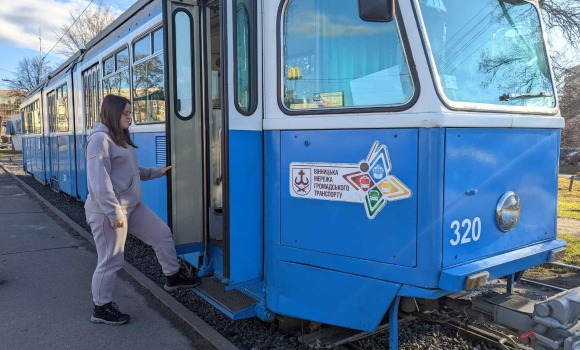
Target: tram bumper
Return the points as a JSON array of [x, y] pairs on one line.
[[550, 324], [474, 274]]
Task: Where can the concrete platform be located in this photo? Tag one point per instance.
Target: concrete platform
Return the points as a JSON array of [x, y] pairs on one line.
[[45, 288]]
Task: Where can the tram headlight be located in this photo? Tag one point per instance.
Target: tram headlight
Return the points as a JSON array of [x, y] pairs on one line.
[[508, 211]]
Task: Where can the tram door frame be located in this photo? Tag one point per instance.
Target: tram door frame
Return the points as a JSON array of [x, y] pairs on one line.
[[192, 211]]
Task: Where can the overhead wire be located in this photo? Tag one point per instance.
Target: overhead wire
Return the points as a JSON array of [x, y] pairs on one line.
[[69, 28]]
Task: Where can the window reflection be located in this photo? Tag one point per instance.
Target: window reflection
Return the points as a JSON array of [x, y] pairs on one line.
[[489, 49], [109, 66], [333, 59], [122, 59], [32, 118], [149, 80], [244, 62], [142, 48], [62, 109], [117, 84], [183, 69], [157, 40], [148, 91]]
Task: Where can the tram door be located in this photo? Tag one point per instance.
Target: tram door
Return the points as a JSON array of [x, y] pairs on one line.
[[216, 179], [195, 121], [185, 139], [53, 153]]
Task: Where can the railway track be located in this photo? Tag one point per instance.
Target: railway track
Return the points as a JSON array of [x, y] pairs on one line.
[[551, 286], [541, 284]]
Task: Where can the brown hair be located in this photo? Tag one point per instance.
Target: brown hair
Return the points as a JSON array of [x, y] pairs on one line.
[[111, 109]]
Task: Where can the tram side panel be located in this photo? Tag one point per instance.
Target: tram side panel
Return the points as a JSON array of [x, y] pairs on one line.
[[480, 166], [66, 166], [38, 149], [152, 154], [81, 170], [342, 224]]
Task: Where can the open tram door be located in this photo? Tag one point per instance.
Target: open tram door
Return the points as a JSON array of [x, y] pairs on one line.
[[214, 136]]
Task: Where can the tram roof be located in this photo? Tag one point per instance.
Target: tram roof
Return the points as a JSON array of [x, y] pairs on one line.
[[124, 17]]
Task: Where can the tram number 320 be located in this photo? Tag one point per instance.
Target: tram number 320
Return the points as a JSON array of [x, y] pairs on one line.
[[466, 232]]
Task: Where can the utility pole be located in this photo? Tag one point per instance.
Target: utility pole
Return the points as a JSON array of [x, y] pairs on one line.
[[40, 38]]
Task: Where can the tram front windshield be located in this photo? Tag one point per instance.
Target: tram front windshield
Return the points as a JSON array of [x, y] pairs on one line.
[[489, 51]]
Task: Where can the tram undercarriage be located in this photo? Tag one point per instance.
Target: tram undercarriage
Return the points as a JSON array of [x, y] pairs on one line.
[[508, 319]]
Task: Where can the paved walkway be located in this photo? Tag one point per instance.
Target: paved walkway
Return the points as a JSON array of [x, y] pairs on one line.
[[569, 226], [45, 288], [567, 176]]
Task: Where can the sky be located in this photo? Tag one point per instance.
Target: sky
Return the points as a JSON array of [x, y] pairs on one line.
[[19, 24]]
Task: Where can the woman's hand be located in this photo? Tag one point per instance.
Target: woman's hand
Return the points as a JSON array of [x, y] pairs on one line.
[[164, 170], [118, 224]]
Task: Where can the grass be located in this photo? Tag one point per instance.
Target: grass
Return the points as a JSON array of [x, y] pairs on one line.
[[572, 256], [568, 202]]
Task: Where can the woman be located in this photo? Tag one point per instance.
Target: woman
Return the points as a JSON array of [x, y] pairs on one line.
[[114, 208]]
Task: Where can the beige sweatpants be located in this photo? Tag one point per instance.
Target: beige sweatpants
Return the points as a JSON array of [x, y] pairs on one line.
[[142, 223]]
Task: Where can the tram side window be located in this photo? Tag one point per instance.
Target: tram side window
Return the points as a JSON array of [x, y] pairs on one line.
[[94, 98], [29, 119], [333, 59], [157, 40], [122, 59], [62, 122], [117, 82], [183, 63], [148, 80], [142, 48], [109, 66], [50, 97], [90, 92], [36, 120], [26, 122], [245, 62], [98, 92], [88, 102]]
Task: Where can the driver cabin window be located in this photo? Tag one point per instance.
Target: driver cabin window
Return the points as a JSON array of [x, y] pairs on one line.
[[334, 59]]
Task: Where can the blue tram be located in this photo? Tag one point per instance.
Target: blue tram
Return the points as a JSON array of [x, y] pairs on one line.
[[333, 160]]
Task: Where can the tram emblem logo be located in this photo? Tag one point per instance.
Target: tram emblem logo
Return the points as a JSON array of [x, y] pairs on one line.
[[369, 182], [301, 181]]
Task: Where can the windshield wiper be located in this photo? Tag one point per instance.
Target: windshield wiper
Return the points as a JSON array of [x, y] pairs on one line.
[[508, 97]]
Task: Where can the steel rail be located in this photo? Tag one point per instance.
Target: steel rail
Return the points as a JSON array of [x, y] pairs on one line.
[[544, 285], [565, 265]]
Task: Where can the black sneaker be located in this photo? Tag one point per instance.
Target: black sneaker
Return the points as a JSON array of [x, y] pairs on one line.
[[181, 280], [109, 314]]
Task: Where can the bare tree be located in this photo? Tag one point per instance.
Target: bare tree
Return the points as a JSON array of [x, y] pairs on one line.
[[562, 17], [76, 35], [29, 74]]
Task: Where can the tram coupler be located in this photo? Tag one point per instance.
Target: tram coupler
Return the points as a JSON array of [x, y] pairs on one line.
[[550, 324]]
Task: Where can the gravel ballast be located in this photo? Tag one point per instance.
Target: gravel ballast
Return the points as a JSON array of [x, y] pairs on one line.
[[249, 334]]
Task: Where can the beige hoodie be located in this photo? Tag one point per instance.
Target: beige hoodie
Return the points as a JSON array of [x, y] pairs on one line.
[[114, 176]]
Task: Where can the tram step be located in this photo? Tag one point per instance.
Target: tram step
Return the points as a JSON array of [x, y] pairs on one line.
[[234, 304]]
